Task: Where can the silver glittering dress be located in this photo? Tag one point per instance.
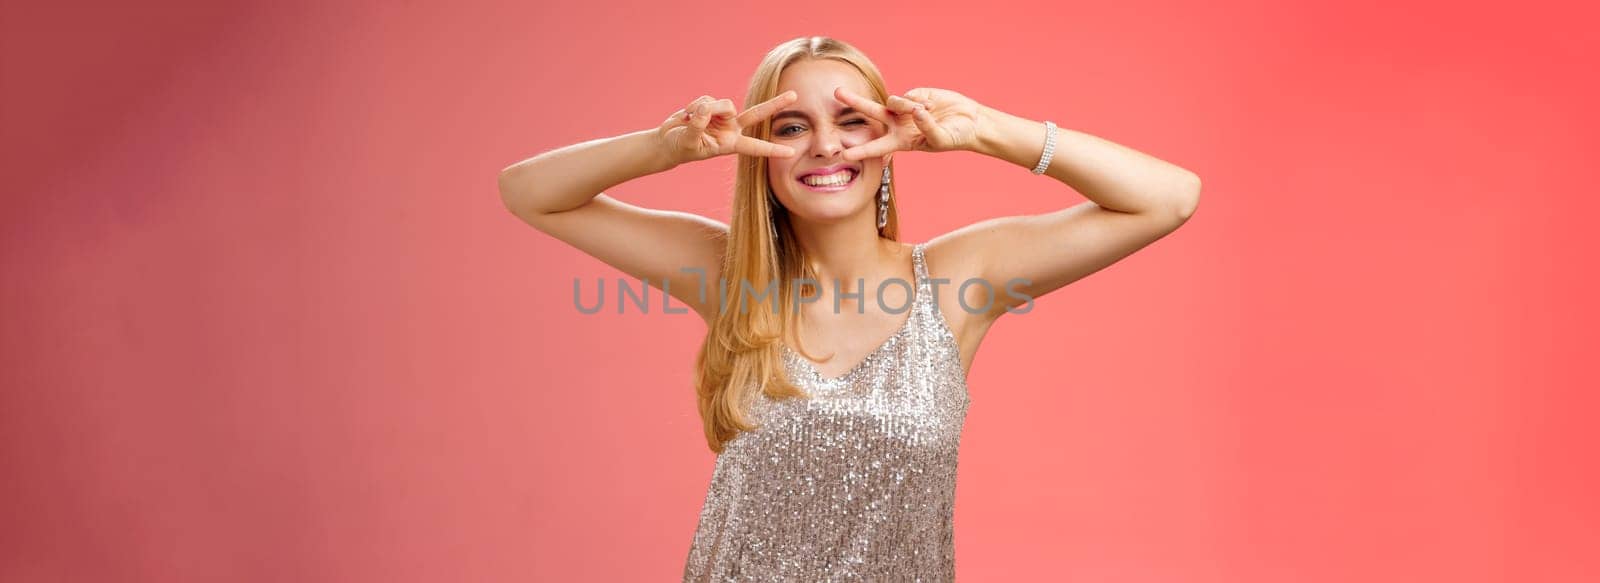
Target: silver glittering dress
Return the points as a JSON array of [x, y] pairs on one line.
[[856, 483]]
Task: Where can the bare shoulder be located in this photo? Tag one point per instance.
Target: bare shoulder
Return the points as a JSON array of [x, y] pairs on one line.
[[956, 261], [950, 256], [965, 299]]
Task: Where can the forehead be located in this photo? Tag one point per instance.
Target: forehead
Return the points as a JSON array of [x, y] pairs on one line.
[[813, 81]]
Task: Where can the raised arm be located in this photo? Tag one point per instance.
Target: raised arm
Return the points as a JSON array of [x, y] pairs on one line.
[[560, 192], [1134, 199]]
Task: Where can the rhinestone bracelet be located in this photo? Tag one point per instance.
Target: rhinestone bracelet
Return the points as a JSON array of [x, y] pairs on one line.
[[1049, 147]]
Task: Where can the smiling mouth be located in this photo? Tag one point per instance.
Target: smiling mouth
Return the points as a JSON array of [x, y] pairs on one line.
[[831, 187]]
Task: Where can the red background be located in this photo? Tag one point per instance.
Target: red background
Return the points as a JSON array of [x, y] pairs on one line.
[[266, 319]]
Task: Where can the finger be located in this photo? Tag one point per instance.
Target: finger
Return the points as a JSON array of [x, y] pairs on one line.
[[766, 108], [864, 105], [691, 111], [721, 108], [698, 117], [902, 106], [930, 127], [921, 95], [757, 147], [872, 149]]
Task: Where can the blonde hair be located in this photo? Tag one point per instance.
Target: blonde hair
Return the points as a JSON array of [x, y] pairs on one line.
[[742, 351]]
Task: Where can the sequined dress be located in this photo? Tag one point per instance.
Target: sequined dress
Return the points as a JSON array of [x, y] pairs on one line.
[[856, 483]]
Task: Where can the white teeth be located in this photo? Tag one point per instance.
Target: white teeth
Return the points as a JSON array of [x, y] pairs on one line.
[[836, 179]]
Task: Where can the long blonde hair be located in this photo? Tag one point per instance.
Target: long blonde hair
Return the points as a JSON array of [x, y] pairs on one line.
[[742, 351]]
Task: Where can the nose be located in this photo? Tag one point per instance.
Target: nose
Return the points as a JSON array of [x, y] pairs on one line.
[[827, 143]]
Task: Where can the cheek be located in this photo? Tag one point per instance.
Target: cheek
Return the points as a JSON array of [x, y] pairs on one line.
[[782, 185], [779, 167], [862, 136]]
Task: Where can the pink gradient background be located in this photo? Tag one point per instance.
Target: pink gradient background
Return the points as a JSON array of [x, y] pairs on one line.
[[267, 320]]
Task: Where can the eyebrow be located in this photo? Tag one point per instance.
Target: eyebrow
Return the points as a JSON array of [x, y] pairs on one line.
[[797, 113]]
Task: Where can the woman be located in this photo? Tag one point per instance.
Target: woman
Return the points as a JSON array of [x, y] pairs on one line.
[[840, 467]]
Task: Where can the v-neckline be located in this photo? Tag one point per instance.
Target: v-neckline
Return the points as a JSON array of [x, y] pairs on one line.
[[865, 360], [911, 312]]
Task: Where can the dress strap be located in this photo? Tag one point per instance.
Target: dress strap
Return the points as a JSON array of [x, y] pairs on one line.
[[919, 265]]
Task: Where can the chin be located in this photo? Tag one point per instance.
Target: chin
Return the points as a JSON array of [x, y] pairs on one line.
[[822, 207]]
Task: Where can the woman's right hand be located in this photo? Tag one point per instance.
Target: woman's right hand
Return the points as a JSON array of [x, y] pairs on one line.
[[711, 127]]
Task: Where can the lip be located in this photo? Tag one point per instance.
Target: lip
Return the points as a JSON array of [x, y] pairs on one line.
[[854, 176], [830, 170]]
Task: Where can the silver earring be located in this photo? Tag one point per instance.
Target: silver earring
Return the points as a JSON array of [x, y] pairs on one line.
[[883, 199]]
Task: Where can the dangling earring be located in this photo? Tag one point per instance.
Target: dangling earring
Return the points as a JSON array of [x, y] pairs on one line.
[[883, 199]]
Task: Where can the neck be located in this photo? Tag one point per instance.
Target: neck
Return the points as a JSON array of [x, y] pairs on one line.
[[845, 251]]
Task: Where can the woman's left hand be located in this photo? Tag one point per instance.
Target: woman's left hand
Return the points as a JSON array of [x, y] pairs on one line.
[[924, 120]]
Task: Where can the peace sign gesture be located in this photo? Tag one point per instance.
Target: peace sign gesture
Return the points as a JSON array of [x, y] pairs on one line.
[[710, 127], [926, 120]]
